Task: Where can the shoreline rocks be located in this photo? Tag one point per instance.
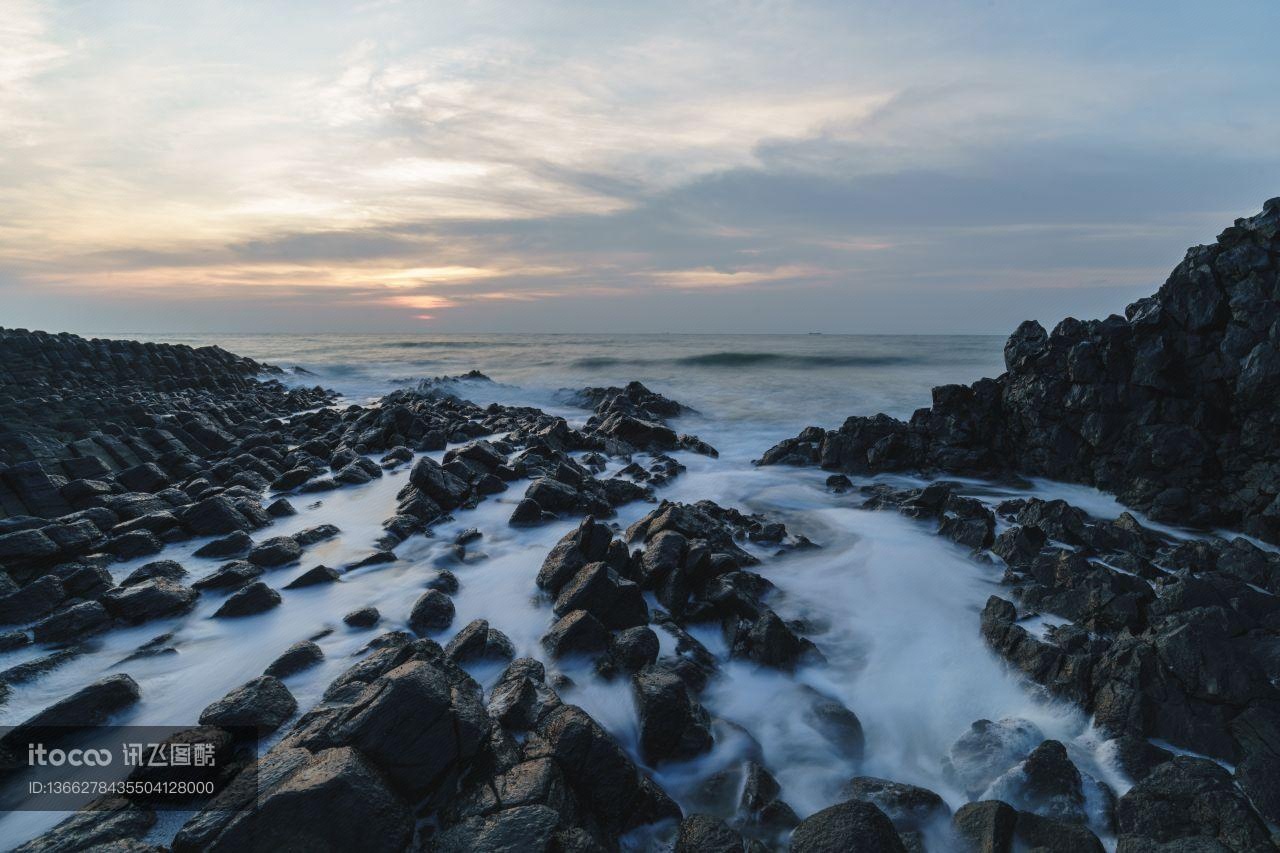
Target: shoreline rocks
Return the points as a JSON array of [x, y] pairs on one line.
[[1171, 407]]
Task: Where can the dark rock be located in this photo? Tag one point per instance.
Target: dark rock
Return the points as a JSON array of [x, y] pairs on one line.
[[599, 590], [672, 725], [477, 641], [526, 513], [72, 623], [106, 825], [167, 569], [280, 508], [236, 544], [150, 599], [264, 703], [854, 826], [601, 775], [257, 597], [313, 577], [237, 573], [700, 833], [987, 750], [438, 484], [433, 611], [87, 707], [276, 551], [633, 649], [909, 807], [33, 601], [365, 617], [135, 543], [577, 632], [359, 807], [299, 656], [1188, 800]]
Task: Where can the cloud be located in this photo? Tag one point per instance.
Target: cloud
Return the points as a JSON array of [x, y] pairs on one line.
[[556, 165]]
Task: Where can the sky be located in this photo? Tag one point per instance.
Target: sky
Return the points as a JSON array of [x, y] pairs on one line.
[[857, 166]]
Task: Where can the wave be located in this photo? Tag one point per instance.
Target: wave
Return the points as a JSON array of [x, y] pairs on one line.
[[448, 344], [746, 359]]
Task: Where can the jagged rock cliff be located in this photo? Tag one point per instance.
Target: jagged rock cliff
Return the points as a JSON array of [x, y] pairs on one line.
[[1172, 407]]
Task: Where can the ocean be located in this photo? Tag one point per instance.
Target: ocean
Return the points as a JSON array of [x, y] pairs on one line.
[[894, 608]]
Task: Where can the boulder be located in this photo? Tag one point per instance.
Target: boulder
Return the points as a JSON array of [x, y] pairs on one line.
[[235, 544], [257, 597], [577, 632], [853, 826], [301, 655], [672, 725], [72, 623], [365, 617], [313, 577], [433, 611], [264, 703], [477, 641], [276, 551], [167, 569], [150, 599]]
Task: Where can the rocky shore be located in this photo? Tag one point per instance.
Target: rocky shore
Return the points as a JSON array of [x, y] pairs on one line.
[[442, 733], [1170, 407]]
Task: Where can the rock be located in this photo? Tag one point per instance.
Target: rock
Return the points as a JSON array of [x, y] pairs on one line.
[[526, 514], [601, 775], [577, 632], [301, 655], [107, 825], [509, 830], [444, 581], [433, 611], [312, 535], [839, 726], [986, 827], [839, 483], [236, 544], [359, 807], [1047, 784], [26, 547], [264, 703], [672, 725], [987, 750], [280, 508], [237, 573], [437, 705], [633, 649], [761, 804], [521, 697], [909, 807], [257, 597], [313, 577], [1188, 800], [700, 833], [33, 601], [853, 826], [438, 484], [587, 543], [213, 517], [72, 623], [477, 641], [365, 617], [276, 551], [87, 707], [150, 599], [599, 590], [135, 543], [167, 569]]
